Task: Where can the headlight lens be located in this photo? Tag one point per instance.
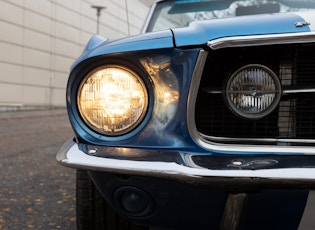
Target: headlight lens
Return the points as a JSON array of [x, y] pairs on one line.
[[253, 91], [112, 100]]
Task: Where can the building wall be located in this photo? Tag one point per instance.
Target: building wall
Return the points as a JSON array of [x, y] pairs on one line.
[[40, 39]]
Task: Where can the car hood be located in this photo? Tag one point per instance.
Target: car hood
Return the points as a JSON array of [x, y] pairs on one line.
[[200, 32], [99, 45]]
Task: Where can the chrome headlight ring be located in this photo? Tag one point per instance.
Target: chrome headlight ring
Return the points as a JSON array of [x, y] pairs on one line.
[[253, 91]]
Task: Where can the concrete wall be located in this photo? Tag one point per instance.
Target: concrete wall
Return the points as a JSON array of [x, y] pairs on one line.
[[40, 39]]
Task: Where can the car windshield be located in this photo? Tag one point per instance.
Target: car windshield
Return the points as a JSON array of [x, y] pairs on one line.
[[179, 13]]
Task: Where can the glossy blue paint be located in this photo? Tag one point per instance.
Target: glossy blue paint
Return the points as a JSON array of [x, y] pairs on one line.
[[94, 42], [239, 26], [150, 41], [174, 67], [165, 125], [161, 158]]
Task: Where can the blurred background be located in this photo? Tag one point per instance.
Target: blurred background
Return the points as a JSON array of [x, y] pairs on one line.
[[40, 39]]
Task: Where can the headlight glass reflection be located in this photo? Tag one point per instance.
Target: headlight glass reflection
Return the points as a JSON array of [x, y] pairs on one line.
[[253, 91], [112, 100]]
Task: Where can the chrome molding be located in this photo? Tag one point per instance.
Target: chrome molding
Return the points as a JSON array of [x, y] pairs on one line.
[[192, 96], [149, 16], [270, 39], [146, 22], [284, 91], [261, 140], [290, 91], [227, 145], [71, 156]]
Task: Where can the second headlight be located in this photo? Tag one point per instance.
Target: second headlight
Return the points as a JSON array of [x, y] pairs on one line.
[[253, 91], [112, 100]]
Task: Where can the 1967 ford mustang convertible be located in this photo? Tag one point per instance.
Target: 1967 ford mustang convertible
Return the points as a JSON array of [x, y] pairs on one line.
[[206, 120]]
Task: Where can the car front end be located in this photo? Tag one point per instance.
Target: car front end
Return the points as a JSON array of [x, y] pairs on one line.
[[203, 126]]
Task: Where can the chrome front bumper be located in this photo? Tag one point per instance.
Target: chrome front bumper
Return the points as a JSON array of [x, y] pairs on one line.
[[71, 156]]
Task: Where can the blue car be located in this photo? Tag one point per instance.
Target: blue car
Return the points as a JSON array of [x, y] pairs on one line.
[[205, 120]]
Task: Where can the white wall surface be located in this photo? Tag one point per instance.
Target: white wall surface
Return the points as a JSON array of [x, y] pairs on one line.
[[40, 39]]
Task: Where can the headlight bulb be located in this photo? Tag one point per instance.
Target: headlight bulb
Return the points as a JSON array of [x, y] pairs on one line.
[[112, 100], [253, 91]]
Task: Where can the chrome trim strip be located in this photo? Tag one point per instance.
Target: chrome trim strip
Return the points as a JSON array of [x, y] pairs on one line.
[[192, 95], [71, 156], [270, 39], [245, 149], [225, 148], [285, 91], [149, 16], [225, 140], [291, 91], [261, 140]]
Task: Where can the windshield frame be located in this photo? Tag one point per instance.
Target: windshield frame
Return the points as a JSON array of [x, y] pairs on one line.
[[156, 8]]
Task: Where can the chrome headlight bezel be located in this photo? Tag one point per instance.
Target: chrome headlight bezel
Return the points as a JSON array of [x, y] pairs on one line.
[[90, 124], [259, 95]]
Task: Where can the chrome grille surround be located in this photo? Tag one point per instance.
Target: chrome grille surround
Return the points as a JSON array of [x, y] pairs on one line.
[[286, 124]]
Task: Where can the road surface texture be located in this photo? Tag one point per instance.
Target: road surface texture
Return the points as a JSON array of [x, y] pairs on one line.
[[35, 192]]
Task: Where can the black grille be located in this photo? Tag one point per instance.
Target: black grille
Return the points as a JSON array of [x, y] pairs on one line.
[[293, 118]]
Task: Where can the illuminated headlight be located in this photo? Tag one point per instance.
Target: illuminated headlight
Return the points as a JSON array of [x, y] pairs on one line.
[[112, 100], [253, 91]]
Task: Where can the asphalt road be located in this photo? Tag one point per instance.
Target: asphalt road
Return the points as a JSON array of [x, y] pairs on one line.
[[35, 192]]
